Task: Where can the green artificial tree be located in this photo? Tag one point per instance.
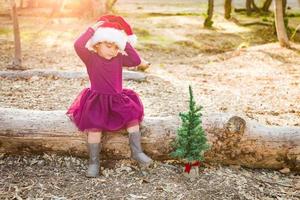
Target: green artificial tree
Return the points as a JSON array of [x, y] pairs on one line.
[[191, 142]]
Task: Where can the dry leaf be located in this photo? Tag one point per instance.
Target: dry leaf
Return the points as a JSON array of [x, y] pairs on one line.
[[285, 170]]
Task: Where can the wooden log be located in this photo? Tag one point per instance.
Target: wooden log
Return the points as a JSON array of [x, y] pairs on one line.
[[127, 75], [234, 141], [250, 23]]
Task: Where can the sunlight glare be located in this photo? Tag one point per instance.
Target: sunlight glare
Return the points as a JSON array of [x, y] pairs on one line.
[[232, 28], [50, 40]]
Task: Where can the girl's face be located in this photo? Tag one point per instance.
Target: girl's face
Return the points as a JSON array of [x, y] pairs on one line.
[[107, 50]]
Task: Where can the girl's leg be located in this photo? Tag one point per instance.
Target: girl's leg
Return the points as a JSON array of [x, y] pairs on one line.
[[136, 148], [94, 137], [94, 148]]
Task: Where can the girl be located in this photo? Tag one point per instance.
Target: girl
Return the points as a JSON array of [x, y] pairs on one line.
[[106, 106]]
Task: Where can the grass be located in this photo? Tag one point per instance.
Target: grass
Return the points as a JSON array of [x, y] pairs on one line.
[[5, 31], [213, 42], [157, 14], [294, 14], [159, 39], [188, 43], [155, 43], [141, 32]]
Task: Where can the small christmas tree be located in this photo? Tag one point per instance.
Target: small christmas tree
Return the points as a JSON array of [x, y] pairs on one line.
[[191, 142]]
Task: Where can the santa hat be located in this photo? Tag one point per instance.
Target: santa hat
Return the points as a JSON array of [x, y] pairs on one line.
[[113, 29], [132, 38]]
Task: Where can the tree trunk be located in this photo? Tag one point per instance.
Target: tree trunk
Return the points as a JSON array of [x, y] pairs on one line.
[[267, 5], [17, 60], [109, 5], [284, 3], [210, 10], [57, 8], [254, 7], [99, 7], [234, 141], [90, 8], [248, 7], [280, 27], [21, 3], [227, 8], [32, 4]]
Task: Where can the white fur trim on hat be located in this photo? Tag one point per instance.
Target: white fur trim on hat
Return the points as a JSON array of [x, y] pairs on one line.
[[107, 34], [132, 39]]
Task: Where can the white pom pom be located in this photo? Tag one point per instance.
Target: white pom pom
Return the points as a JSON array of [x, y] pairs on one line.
[[132, 39]]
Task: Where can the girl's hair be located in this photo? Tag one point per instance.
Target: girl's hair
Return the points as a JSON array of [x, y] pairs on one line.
[[95, 49]]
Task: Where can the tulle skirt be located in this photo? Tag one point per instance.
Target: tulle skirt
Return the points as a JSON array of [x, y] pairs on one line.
[[93, 111]]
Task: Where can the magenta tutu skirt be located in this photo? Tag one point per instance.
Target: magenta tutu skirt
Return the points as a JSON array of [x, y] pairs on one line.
[[93, 111]]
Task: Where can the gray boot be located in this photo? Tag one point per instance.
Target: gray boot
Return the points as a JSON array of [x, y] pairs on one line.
[[94, 160], [136, 149]]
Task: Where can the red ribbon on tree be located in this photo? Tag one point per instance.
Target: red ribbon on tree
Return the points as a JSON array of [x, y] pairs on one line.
[[188, 166]]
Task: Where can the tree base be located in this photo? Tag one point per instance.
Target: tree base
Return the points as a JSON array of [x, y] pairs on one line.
[[192, 174]]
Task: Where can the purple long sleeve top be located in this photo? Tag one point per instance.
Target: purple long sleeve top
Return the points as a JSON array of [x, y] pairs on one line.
[[105, 75]]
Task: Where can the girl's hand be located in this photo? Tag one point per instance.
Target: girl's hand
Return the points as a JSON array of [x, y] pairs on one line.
[[144, 65], [96, 25]]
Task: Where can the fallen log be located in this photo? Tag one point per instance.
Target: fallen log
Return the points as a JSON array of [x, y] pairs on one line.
[[127, 75], [250, 23], [234, 141]]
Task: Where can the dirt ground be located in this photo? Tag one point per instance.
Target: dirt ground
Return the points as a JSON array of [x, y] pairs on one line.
[[235, 69], [55, 177]]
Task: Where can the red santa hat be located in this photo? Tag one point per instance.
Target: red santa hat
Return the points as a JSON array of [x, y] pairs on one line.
[[132, 38], [114, 29]]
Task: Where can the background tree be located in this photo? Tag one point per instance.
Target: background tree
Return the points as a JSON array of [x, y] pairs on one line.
[[251, 6], [254, 6], [109, 5], [248, 7], [17, 60], [32, 3], [227, 9], [266, 5], [21, 3], [284, 4], [95, 8], [102, 6], [57, 8], [279, 23], [210, 10]]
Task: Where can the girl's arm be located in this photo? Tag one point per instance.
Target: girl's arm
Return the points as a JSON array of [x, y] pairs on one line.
[[80, 43], [132, 58]]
